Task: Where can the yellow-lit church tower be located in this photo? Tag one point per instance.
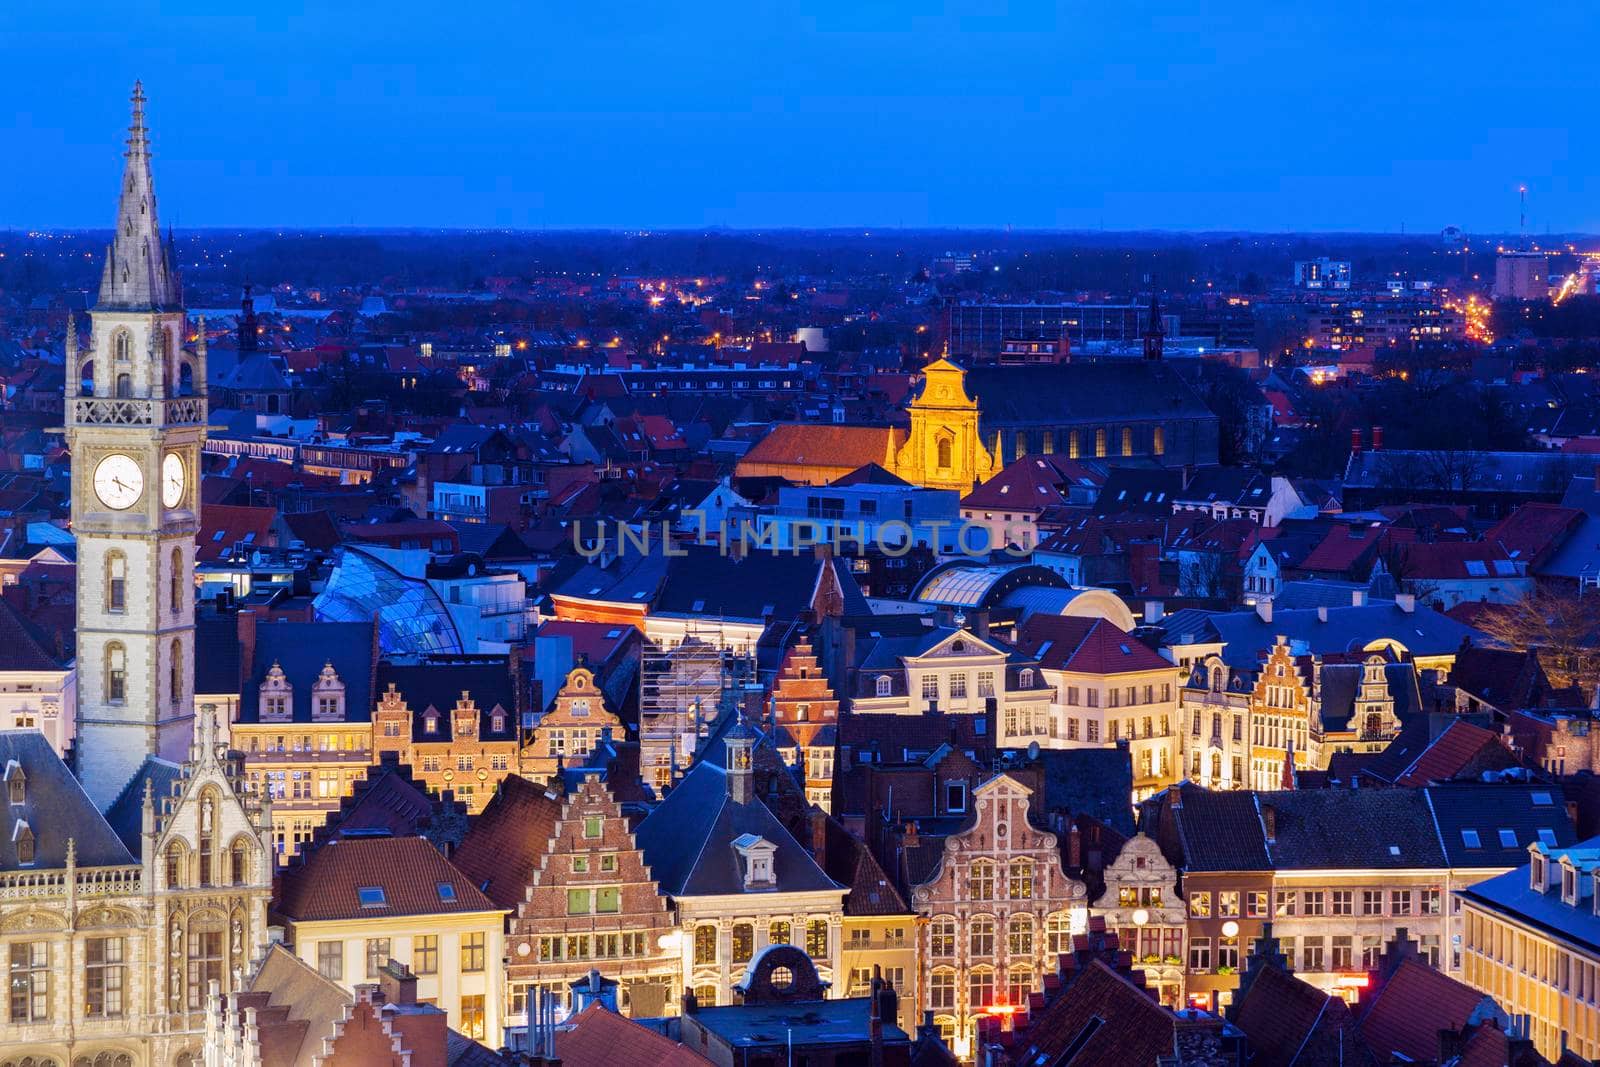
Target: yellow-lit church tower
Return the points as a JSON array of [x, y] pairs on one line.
[[944, 449]]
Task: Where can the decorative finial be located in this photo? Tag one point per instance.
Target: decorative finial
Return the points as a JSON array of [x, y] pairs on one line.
[[137, 140]]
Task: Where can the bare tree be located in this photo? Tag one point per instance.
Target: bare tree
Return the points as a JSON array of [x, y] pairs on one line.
[[1559, 626]]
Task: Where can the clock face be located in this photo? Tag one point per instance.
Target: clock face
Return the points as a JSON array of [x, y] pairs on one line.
[[118, 481], [173, 480]]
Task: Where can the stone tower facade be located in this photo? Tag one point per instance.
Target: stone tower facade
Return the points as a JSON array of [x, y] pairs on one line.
[[944, 449], [135, 423]]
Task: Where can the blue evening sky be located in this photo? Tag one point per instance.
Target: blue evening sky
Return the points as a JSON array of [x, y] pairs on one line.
[[1353, 115]]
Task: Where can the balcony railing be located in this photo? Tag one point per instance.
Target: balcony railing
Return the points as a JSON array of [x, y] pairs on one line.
[[91, 882], [129, 411]]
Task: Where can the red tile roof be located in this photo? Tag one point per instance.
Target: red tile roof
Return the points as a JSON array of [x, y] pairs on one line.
[[1280, 1014], [1415, 1003], [508, 840], [1103, 1018], [221, 525], [409, 870], [599, 1038], [824, 445], [1534, 531], [1088, 646], [1460, 746]]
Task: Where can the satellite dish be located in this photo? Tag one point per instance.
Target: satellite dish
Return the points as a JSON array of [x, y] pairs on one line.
[[1033, 750]]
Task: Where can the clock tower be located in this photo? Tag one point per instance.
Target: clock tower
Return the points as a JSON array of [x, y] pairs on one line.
[[135, 421]]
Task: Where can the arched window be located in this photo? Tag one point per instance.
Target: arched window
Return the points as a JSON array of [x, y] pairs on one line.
[[1020, 881], [982, 989], [175, 582], [1019, 983], [175, 865], [239, 862], [1127, 440], [1019, 935], [942, 936], [942, 989], [124, 386], [1072, 445], [86, 378], [175, 674], [980, 933], [705, 944], [116, 583], [1025, 678], [116, 673], [981, 880], [744, 942], [1058, 933], [1159, 445], [884, 685], [1100, 443], [1216, 767], [207, 846], [121, 346], [1216, 679], [944, 446], [185, 379]]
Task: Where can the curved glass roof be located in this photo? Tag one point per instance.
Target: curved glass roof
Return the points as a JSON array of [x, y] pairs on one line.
[[411, 617], [968, 583]]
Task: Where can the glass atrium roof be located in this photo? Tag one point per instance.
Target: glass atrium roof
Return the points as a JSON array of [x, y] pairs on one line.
[[411, 617]]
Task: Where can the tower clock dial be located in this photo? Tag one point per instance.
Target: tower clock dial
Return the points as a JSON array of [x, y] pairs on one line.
[[118, 481], [173, 479]]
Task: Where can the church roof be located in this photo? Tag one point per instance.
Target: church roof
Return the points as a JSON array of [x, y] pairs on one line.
[[1053, 395], [824, 445]]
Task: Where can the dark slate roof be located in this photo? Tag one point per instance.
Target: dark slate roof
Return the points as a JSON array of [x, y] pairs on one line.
[[1054, 395], [23, 645], [1341, 683], [706, 582], [1423, 631], [688, 840], [216, 653], [439, 683], [1512, 894], [1490, 807], [56, 809], [1087, 781], [126, 813], [1367, 828], [1218, 831], [302, 648]]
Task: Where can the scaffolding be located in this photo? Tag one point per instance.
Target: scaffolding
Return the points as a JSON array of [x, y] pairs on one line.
[[682, 689]]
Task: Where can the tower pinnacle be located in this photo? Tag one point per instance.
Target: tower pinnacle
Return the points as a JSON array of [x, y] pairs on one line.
[[139, 273]]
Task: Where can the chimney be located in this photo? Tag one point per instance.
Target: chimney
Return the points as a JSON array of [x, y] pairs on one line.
[[980, 625], [819, 837], [247, 644], [397, 985], [1355, 441], [1154, 611], [1264, 610], [1269, 822], [908, 836], [875, 1017], [1377, 438], [740, 787], [1075, 847]]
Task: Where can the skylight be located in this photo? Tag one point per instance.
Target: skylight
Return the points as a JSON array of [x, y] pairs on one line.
[[447, 893], [371, 896], [1470, 839], [1541, 798], [1508, 838], [1547, 837]]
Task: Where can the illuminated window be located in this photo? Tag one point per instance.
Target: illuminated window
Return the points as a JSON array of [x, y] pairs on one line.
[[981, 934], [1019, 935], [981, 880], [942, 937], [705, 945], [1020, 883], [1127, 440], [982, 988], [1100, 443]]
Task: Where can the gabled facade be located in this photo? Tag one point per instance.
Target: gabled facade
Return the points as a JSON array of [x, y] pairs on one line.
[[995, 911], [1142, 905], [570, 729], [806, 711]]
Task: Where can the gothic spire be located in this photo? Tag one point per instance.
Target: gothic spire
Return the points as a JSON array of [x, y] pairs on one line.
[[139, 274]]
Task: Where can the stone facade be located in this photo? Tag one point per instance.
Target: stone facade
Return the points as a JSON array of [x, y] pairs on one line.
[[997, 910], [117, 961], [1141, 903], [567, 732]]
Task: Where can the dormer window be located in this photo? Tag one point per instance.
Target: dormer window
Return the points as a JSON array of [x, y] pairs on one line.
[[883, 686], [430, 722], [327, 696], [16, 784], [1538, 875], [1025, 678], [498, 722], [277, 696], [1569, 885], [756, 856], [22, 838]]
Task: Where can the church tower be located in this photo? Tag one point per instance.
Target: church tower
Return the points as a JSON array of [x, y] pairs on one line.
[[135, 421], [944, 449]]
